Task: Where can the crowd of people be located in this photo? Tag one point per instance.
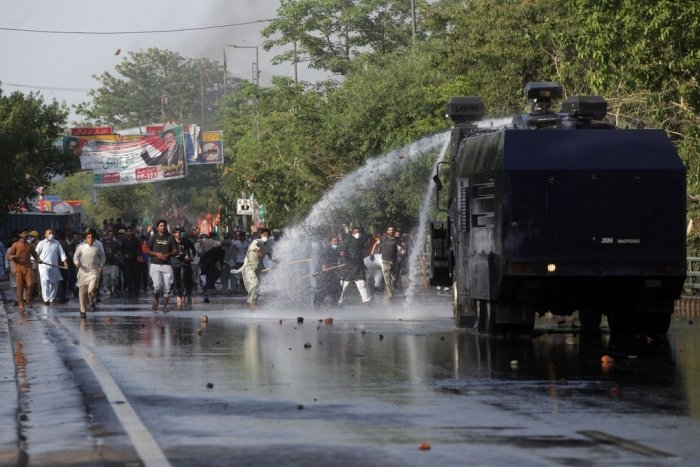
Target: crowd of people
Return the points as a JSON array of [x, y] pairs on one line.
[[350, 259], [127, 261]]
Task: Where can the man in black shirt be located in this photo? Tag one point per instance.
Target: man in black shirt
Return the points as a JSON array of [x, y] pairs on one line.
[[182, 266], [161, 247], [329, 278], [110, 271], [210, 266], [131, 250], [354, 270]]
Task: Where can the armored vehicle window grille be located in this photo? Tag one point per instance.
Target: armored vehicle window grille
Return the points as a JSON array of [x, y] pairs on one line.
[[464, 209], [483, 205]]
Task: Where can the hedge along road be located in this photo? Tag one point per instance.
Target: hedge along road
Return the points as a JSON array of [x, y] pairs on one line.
[[381, 385]]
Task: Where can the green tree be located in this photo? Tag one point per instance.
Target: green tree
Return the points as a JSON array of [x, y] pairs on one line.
[[493, 48], [648, 44], [270, 136], [154, 86], [29, 155], [292, 142], [386, 103], [330, 33], [646, 57]]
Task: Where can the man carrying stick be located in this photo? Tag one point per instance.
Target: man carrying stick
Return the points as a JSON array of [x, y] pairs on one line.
[[21, 253], [329, 280], [252, 266], [50, 254]]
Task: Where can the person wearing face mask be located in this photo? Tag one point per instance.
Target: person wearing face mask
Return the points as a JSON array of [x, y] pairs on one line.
[[354, 270], [50, 255], [252, 266], [329, 279]]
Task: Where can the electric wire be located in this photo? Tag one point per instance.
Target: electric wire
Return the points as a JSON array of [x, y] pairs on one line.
[[151, 31], [48, 88]]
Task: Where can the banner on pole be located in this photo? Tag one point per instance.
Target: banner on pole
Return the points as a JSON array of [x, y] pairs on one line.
[[92, 131], [151, 158], [211, 150]]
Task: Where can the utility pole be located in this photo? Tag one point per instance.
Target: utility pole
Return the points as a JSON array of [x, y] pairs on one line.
[[201, 92], [296, 76], [163, 101], [413, 19], [256, 66], [224, 50], [255, 77]]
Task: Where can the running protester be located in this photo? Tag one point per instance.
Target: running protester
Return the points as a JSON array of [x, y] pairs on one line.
[[182, 266], [161, 247], [89, 259]]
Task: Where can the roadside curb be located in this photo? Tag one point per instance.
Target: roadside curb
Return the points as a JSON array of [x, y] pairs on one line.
[[9, 397]]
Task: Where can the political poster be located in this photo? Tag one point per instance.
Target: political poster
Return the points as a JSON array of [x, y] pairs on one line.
[[151, 158], [245, 207], [74, 144], [192, 134], [211, 149]]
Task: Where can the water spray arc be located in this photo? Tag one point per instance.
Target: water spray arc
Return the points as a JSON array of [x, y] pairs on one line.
[[290, 284], [415, 254]]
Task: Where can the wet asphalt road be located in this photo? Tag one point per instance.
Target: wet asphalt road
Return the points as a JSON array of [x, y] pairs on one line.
[[130, 387]]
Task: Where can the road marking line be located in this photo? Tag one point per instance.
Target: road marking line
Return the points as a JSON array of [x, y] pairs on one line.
[[627, 444], [148, 450]]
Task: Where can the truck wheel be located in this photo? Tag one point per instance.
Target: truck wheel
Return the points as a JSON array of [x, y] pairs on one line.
[[485, 316], [655, 324], [464, 315], [619, 323], [590, 319], [650, 323]]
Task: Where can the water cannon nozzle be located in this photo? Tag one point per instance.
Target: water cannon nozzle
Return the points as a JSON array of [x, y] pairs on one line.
[[463, 109]]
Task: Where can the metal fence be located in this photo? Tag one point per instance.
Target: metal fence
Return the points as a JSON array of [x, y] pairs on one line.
[[692, 278], [37, 221]]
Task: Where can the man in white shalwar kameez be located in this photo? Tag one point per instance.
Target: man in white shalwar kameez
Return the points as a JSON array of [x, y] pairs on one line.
[[89, 259], [51, 255]]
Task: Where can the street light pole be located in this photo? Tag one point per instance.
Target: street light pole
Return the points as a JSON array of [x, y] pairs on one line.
[[256, 69]]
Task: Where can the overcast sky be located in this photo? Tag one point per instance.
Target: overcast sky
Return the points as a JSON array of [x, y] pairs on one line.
[[61, 66]]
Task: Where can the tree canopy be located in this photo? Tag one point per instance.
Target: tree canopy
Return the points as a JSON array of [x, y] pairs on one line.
[[330, 34], [29, 155], [155, 86]]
